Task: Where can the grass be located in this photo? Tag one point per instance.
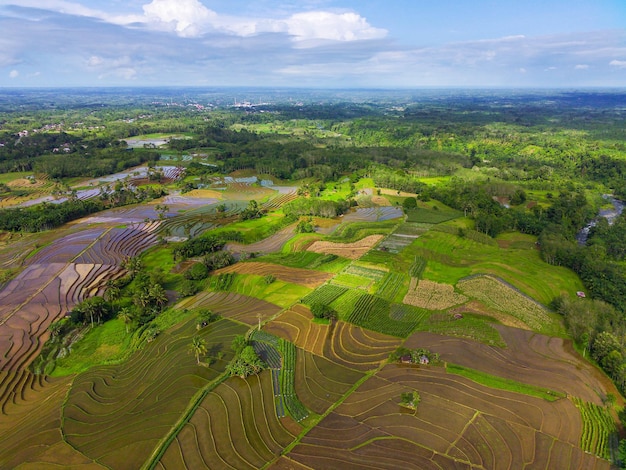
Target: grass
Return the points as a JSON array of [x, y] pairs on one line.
[[8, 177], [255, 230], [352, 232], [105, 344], [450, 258], [501, 383], [475, 327], [278, 292]]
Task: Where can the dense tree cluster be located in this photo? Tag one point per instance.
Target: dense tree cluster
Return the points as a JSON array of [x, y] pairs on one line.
[[315, 207]]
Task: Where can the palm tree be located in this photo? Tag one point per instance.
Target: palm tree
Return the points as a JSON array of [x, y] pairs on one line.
[[112, 293], [126, 316], [158, 295], [198, 347]]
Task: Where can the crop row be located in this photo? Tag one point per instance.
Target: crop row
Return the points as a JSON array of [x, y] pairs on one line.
[[324, 294], [265, 337], [598, 427], [417, 267], [374, 274], [222, 282], [279, 200], [389, 286], [500, 296], [373, 312], [431, 216], [344, 304], [287, 382], [268, 354], [395, 243], [432, 295]]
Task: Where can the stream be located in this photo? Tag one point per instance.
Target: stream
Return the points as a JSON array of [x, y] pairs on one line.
[[609, 214]]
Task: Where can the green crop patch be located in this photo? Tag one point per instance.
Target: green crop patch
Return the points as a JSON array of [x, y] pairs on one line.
[[501, 383], [434, 215], [476, 327], [598, 428], [324, 294]]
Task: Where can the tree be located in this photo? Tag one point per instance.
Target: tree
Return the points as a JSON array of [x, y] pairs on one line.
[[113, 293], [251, 212], [604, 343], [409, 203], [158, 296], [320, 310], [126, 316], [410, 399], [239, 343], [246, 363], [133, 265], [198, 347]]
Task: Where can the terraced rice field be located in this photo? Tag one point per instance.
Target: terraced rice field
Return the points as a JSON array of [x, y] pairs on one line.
[[346, 250], [271, 244], [373, 214], [458, 424], [116, 414], [40, 295], [342, 343], [29, 428], [304, 277], [234, 306], [234, 427], [320, 382], [529, 358]]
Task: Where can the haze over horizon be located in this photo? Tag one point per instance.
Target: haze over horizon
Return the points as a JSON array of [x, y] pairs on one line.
[[313, 43]]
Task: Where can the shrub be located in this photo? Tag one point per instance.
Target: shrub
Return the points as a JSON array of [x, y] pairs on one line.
[[196, 272]]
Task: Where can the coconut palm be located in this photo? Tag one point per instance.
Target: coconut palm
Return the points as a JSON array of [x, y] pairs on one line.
[[198, 347], [126, 316], [158, 295]]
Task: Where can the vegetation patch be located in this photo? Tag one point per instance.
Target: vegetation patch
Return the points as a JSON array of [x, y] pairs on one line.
[[346, 250], [325, 294], [598, 428], [502, 383], [505, 298], [432, 295], [474, 327]]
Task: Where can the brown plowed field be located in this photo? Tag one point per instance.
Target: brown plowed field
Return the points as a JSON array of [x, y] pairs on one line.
[[304, 277], [347, 250], [529, 358], [342, 343], [296, 326], [320, 382], [29, 424], [458, 424], [234, 306], [234, 427]]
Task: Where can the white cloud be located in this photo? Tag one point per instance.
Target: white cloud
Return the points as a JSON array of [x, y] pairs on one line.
[[620, 64], [14, 74], [95, 61], [581, 67], [189, 18], [332, 26]]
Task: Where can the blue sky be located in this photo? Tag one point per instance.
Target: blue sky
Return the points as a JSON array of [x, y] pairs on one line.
[[313, 43]]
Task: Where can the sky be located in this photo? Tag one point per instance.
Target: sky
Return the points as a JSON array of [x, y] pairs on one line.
[[313, 43]]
